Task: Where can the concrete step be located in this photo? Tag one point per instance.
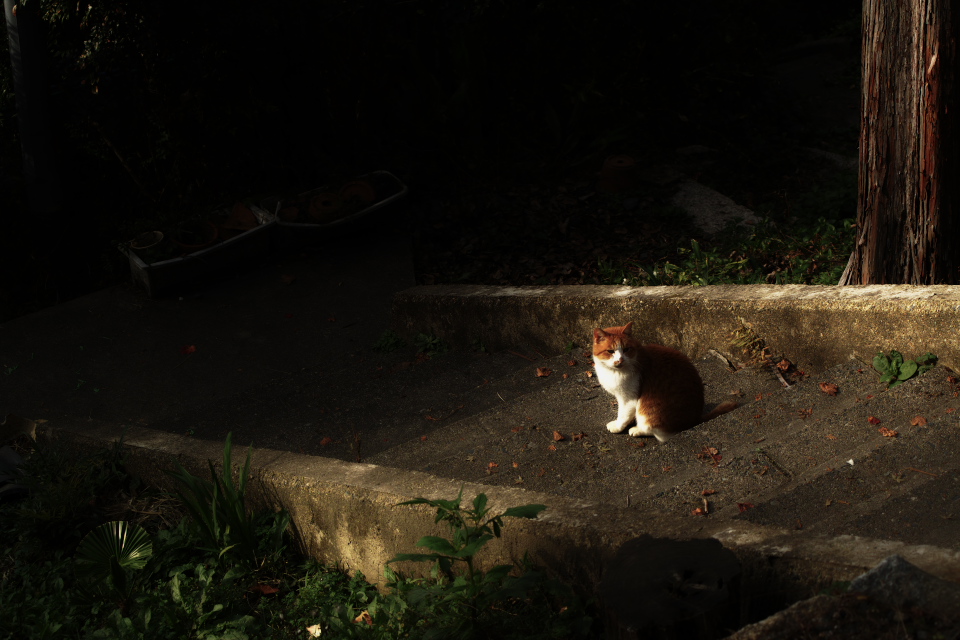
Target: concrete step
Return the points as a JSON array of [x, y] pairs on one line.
[[515, 443], [793, 458], [365, 401]]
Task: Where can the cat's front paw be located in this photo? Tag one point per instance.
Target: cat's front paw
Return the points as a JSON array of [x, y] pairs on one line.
[[614, 426]]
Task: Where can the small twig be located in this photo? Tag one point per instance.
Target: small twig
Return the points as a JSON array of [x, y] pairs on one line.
[[920, 471], [520, 355], [780, 375], [723, 358], [706, 506], [774, 463], [181, 362]]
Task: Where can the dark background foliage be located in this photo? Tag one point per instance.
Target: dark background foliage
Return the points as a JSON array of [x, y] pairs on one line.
[[161, 110]]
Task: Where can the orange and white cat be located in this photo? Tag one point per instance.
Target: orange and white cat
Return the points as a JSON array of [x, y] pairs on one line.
[[656, 387]]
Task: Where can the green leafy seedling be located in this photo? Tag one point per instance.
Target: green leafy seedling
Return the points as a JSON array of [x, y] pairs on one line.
[[466, 595], [430, 344], [389, 341], [894, 370]]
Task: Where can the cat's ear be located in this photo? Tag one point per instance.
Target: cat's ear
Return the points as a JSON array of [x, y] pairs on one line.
[[598, 335], [628, 328]]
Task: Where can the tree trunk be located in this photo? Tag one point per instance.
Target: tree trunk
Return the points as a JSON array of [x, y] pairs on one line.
[[907, 227], [26, 36]]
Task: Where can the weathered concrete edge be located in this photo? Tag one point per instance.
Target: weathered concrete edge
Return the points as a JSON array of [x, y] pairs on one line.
[[348, 513], [814, 326]]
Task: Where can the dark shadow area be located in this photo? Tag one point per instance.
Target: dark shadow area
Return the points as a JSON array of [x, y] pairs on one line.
[[498, 115]]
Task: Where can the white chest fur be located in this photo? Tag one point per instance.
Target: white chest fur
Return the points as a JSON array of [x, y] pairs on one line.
[[622, 382]]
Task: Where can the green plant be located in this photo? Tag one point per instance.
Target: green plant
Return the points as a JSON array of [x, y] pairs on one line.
[[806, 253], [67, 489], [462, 601], [894, 370], [108, 555], [430, 344], [218, 509], [389, 341]]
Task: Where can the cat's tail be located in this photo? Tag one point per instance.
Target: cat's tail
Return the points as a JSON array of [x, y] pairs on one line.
[[720, 409]]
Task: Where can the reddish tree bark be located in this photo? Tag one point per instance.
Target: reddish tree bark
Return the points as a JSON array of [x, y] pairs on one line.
[[907, 227]]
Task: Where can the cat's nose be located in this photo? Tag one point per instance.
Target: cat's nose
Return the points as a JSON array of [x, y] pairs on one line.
[[617, 363]]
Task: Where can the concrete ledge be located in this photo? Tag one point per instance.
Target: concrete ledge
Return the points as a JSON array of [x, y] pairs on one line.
[[813, 326], [348, 513]]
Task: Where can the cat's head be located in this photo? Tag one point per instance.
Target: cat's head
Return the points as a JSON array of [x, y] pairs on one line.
[[613, 346]]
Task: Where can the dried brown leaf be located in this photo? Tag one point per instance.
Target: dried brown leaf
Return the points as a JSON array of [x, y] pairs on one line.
[[829, 388]]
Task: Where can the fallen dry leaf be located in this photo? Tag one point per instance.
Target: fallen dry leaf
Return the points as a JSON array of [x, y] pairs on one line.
[[557, 436], [431, 418], [517, 429], [516, 465], [566, 375], [327, 440], [887, 433], [666, 469], [873, 420], [579, 436], [951, 409], [784, 364], [698, 512], [708, 492], [287, 279], [571, 363], [552, 447], [710, 452], [492, 465], [919, 421], [423, 438], [589, 374], [829, 388], [831, 436], [364, 617], [265, 589], [542, 472], [188, 349], [543, 372], [743, 506], [314, 630]]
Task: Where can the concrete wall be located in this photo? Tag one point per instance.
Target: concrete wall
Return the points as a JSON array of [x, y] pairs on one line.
[[347, 513], [814, 327]]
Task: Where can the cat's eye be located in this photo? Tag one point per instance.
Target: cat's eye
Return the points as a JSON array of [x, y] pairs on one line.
[[610, 351]]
